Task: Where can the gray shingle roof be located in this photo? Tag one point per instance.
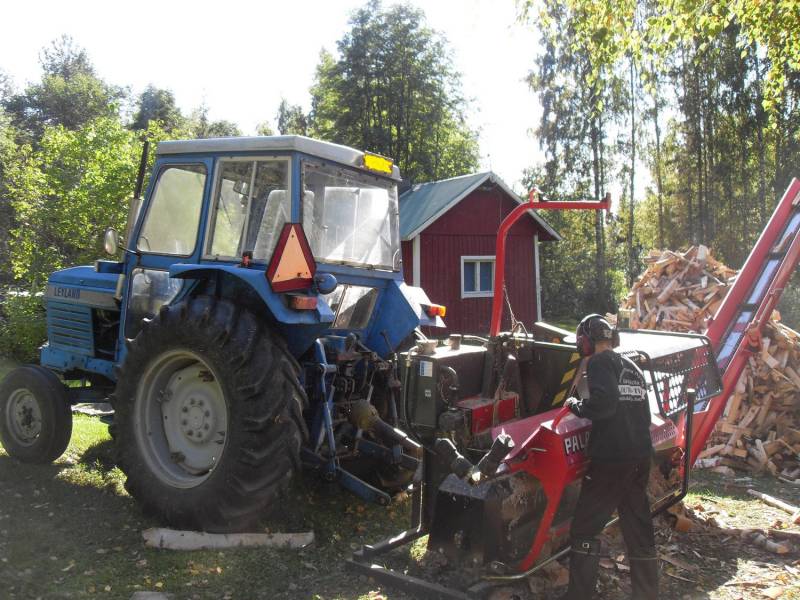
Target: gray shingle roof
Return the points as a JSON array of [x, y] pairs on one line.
[[425, 202]]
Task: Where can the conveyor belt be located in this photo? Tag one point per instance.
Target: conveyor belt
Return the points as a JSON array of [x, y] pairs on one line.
[[735, 331]]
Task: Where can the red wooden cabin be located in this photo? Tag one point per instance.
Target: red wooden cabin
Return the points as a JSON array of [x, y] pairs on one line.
[[448, 230]]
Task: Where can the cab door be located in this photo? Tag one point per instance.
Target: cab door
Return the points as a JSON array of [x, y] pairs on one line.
[[167, 232]]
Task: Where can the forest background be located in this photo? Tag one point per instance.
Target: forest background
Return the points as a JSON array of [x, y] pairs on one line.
[[705, 96]]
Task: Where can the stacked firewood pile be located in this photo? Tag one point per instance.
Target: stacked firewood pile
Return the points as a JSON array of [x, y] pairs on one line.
[[760, 429], [678, 291]]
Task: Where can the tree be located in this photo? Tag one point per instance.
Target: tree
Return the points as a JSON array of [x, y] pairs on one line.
[[291, 119], [717, 83], [8, 151], [393, 90], [69, 94], [201, 127], [157, 104], [67, 191], [264, 128], [65, 59], [573, 131], [6, 87]]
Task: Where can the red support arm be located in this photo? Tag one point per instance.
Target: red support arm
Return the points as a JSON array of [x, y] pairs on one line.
[[604, 204], [500, 249], [500, 260]]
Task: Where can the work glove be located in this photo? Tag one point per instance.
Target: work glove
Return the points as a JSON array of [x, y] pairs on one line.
[[572, 404]]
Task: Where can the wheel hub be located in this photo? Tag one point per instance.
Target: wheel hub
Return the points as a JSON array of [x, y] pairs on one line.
[[196, 420], [25, 416], [183, 407]]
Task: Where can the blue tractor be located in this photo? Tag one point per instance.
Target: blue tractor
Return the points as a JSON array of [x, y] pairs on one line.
[[249, 328]]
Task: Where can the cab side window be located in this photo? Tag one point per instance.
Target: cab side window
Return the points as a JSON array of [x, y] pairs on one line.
[[173, 216], [252, 204]]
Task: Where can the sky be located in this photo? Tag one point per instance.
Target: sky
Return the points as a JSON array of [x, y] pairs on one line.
[[240, 58]]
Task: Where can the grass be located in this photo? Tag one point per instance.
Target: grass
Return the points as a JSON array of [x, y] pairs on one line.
[[69, 530]]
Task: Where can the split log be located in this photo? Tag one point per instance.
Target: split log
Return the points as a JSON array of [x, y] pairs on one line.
[[681, 291], [778, 503], [761, 541], [172, 539]]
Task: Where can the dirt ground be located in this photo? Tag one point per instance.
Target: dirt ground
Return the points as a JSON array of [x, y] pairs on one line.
[[70, 531]]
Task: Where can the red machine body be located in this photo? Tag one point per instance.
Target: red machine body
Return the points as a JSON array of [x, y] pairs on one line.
[[556, 457], [483, 412], [512, 521]]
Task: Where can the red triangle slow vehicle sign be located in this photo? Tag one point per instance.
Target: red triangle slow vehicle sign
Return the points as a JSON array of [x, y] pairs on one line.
[[292, 266]]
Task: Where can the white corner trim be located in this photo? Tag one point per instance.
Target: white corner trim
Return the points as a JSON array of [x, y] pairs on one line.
[[415, 262], [537, 279]]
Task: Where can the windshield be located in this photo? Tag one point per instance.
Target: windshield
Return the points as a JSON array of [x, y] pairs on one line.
[[350, 217]]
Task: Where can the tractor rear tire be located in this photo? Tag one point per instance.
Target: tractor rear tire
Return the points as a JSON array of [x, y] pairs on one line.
[[35, 415], [208, 416]]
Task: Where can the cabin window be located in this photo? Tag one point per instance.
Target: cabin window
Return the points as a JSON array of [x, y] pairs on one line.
[[477, 276], [252, 204], [170, 226]]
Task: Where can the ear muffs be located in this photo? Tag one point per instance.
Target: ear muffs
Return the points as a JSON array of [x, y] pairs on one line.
[[585, 345], [585, 340]]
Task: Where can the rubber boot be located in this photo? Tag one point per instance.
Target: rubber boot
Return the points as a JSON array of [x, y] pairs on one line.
[[644, 578], [583, 564]]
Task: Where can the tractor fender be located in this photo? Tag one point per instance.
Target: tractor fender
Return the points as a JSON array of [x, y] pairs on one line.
[[299, 327], [275, 302]]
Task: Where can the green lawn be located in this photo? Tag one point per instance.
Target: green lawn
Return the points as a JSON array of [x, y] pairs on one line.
[[70, 531]]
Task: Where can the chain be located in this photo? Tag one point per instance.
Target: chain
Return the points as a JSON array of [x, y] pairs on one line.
[[514, 323]]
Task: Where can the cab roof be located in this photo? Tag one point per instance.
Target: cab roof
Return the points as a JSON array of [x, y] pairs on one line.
[[288, 143]]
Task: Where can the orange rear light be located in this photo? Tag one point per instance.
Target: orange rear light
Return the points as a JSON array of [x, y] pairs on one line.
[[302, 302], [435, 310]]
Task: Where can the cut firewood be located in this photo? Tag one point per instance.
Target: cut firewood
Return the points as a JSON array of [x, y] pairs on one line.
[[781, 534], [761, 541], [778, 503], [681, 291], [711, 451]]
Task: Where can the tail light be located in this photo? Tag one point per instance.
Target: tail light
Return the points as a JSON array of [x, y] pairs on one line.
[[298, 302], [434, 310]]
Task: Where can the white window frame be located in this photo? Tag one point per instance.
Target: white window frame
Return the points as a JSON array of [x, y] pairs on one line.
[[476, 260]]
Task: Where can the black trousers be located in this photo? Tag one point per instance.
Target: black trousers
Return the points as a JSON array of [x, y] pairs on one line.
[[607, 487]]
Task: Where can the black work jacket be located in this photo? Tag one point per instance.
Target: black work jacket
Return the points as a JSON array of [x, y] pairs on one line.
[[618, 408]]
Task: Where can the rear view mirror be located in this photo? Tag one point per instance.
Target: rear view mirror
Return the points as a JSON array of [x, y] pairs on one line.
[[111, 241]]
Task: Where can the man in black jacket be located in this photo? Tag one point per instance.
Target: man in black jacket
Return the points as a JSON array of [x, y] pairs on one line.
[[620, 450]]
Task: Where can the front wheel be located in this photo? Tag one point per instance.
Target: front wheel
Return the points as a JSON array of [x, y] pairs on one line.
[[35, 415], [208, 416]]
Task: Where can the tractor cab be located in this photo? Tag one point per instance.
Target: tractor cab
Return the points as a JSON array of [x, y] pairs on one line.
[[304, 231]]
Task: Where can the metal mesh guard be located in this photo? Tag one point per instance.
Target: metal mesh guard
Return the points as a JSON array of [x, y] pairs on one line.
[[672, 374]]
